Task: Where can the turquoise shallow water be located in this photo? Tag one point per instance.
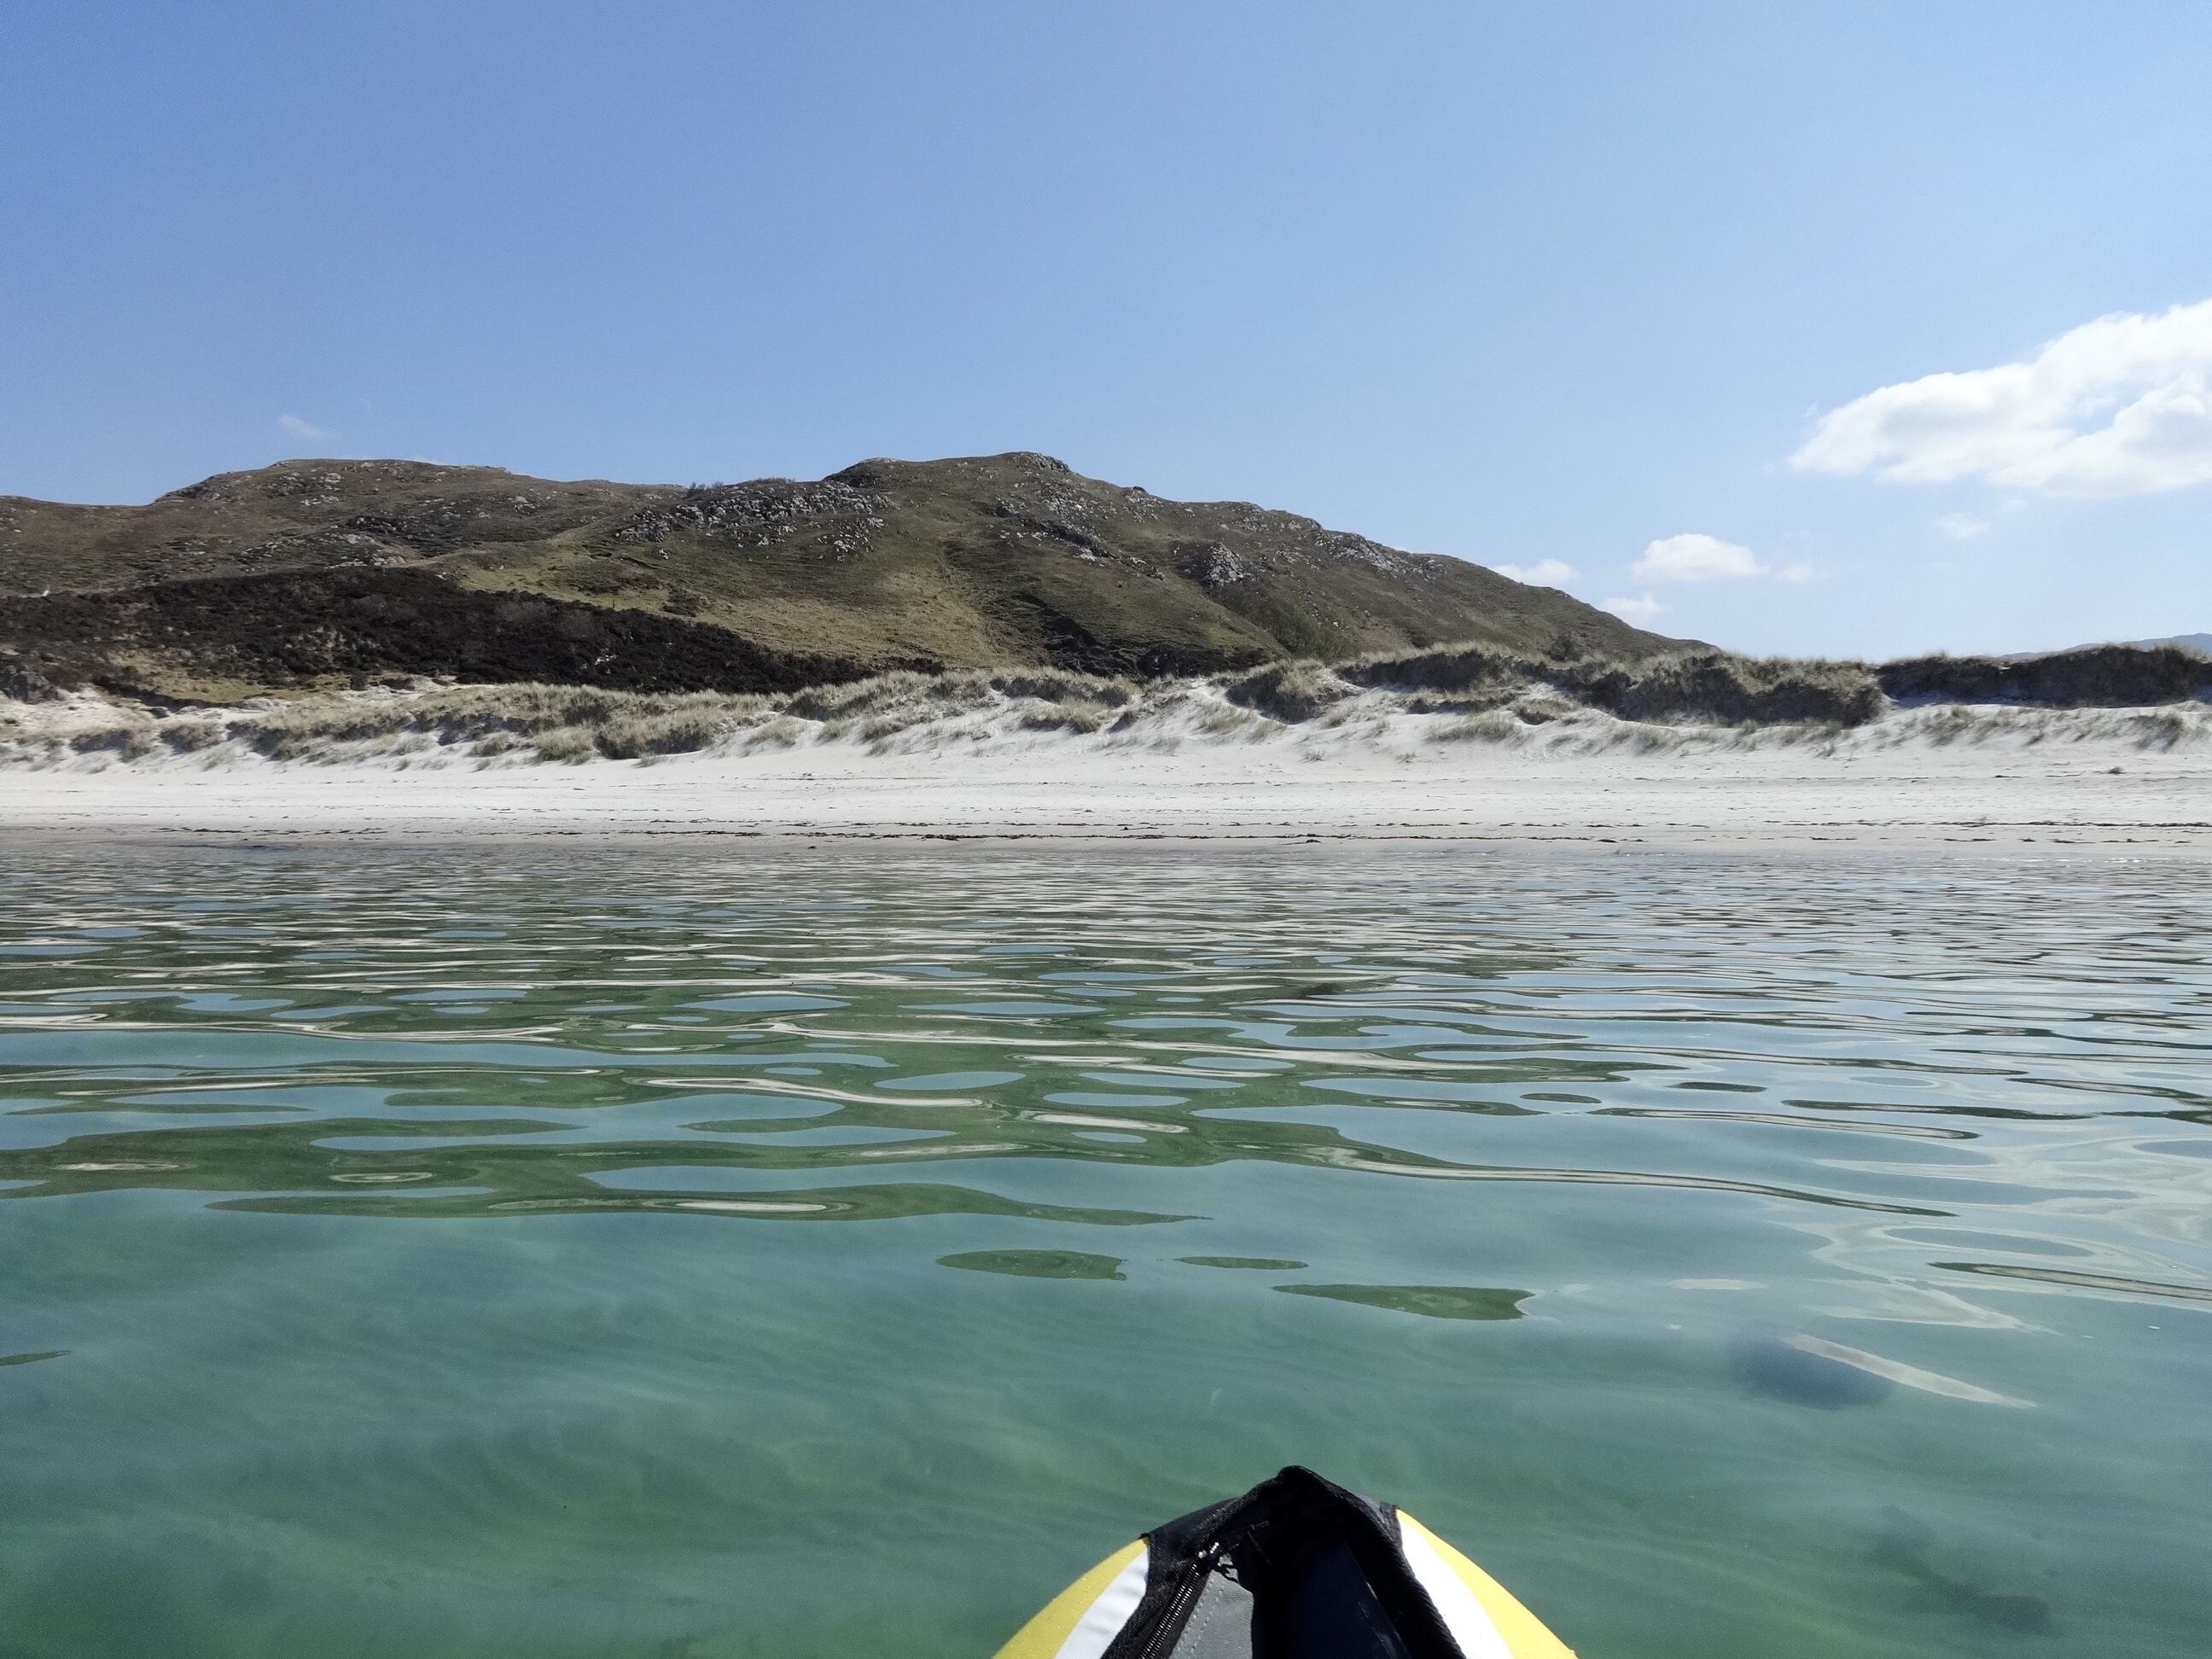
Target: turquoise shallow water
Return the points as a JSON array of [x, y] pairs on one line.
[[817, 1253]]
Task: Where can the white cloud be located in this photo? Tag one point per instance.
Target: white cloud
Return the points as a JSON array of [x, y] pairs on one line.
[[1962, 527], [1634, 610], [1693, 558], [2121, 406], [1544, 573], [300, 428]]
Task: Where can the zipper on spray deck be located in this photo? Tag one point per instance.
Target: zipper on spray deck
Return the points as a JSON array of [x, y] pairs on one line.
[[1160, 1641]]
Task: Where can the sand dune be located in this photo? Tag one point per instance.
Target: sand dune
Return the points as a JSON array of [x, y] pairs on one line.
[[1054, 759]]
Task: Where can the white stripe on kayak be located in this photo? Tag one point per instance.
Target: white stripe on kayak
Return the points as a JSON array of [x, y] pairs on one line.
[[1462, 1614], [1098, 1626]]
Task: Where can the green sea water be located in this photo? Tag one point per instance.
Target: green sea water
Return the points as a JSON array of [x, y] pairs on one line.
[[831, 1252]]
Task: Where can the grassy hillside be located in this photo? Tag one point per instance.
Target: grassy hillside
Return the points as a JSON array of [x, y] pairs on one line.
[[324, 573]]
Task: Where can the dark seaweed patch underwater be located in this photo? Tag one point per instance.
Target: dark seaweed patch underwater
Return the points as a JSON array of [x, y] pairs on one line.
[[1763, 1363]]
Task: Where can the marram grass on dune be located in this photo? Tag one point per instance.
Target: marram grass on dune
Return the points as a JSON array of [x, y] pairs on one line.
[[1683, 702]]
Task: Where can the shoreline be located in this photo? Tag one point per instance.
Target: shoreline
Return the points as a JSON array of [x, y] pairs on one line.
[[1907, 798]]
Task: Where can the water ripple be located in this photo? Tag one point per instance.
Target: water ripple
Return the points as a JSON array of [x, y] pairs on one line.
[[523, 1253]]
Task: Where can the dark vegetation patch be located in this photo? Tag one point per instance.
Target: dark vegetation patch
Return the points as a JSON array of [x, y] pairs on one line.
[[1036, 1264], [1289, 692], [1428, 1301], [1905, 1542], [308, 628], [19, 683], [1262, 1263], [1763, 1364], [2097, 677], [1702, 684]]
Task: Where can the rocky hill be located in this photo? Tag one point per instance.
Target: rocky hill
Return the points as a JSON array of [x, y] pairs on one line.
[[324, 574]]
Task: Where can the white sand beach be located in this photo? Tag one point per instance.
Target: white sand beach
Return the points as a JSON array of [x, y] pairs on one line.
[[2120, 781]]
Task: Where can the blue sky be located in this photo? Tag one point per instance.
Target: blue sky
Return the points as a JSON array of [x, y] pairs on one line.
[[1649, 292]]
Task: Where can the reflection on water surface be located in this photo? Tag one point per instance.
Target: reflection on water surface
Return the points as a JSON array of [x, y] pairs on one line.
[[407, 1243]]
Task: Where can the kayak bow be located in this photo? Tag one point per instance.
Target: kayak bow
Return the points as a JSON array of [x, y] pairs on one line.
[[1296, 1568]]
